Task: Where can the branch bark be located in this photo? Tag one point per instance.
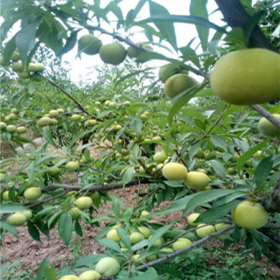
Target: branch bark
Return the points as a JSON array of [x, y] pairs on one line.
[[179, 252], [236, 16], [272, 202], [107, 187], [266, 114]]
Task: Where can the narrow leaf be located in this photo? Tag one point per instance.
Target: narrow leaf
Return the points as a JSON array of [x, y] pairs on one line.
[[33, 231], [40, 271], [263, 170], [198, 8], [11, 208], [9, 228], [65, 227]]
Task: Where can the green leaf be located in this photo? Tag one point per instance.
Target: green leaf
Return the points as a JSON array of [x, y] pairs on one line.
[[218, 141], [166, 29], [8, 51], [124, 237], [236, 36], [25, 39], [179, 101], [150, 274], [198, 8], [77, 137], [191, 201], [110, 244], [218, 168], [33, 231], [70, 43], [263, 170], [139, 245], [127, 176], [9, 228], [47, 135], [49, 272], [215, 213], [88, 260], [40, 271], [116, 208], [169, 270], [136, 151], [78, 228], [244, 158], [251, 23], [182, 19], [11, 208], [159, 233], [65, 227], [190, 54]]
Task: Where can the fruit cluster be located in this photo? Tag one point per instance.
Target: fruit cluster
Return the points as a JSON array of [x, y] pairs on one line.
[[113, 53], [22, 71]]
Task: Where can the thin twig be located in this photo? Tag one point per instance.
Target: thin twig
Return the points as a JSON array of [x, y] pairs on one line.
[[213, 125], [66, 93]]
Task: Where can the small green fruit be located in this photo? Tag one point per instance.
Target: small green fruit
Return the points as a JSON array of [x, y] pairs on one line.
[[89, 44], [136, 237], [70, 277], [246, 77], [267, 128], [17, 66], [192, 218], [174, 171], [145, 232], [11, 128], [84, 202], [27, 213], [32, 193], [181, 243], [113, 53], [72, 166], [160, 157], [74, 213], [108, 267], [21, 129], [195, 180], [90, 275], [178, 83], [16, 219], [113, 235], [3, 126], [250, 215], [76, 117], [205, 231]]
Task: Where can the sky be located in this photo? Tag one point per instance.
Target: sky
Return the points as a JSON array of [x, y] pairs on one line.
[[185, 32]]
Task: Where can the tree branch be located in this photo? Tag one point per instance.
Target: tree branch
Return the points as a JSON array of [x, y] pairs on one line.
[[107, 187], [266, 114], [236, 16], [272, 202], [66, 93], [179, 252]]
